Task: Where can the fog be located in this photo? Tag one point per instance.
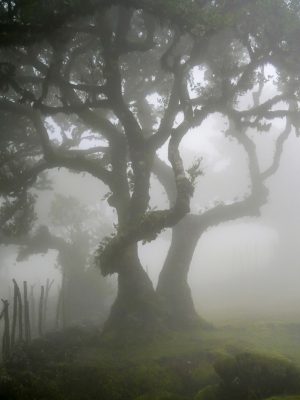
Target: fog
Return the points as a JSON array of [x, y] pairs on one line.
[[149, 200], [247, 268]]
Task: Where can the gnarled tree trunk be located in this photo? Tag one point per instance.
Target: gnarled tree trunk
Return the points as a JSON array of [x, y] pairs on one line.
[[136, 309], [173, 288]]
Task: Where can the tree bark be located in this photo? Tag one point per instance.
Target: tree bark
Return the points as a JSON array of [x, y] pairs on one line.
[[136, 309], [173, 288]]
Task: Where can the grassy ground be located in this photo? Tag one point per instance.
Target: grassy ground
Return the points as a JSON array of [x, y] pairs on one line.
[[77, 365], [273, 338]]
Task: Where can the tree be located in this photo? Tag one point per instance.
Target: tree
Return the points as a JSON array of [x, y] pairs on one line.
[[172, 286], [96, 70], [73, 231]]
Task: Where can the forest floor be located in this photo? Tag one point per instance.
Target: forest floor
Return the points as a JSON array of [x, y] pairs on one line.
[[234, 362]]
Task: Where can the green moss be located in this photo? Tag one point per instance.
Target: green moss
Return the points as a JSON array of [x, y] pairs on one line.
[[284, 398], [208, 393], [78, 365], [26, 385], [204, 374], [161, 396], [250, 375]]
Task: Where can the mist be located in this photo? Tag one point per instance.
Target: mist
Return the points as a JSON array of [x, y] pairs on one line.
[[149, 200]]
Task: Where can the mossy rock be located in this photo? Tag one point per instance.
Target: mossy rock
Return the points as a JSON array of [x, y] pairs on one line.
[[249, 374], [208, 393]]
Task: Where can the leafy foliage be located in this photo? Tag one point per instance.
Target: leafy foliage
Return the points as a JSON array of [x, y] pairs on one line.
[[194, 171], [104, 63], [17, 214]]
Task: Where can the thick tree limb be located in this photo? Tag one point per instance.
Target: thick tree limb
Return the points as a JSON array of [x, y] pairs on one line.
[[152, 223], [55, 157]]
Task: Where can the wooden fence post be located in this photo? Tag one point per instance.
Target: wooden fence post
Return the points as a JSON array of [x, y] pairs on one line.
[[32, 311], [41, 307], [58, 309], [20, 309], [26, 314], [6, 334], [15, 317], [47, 291]]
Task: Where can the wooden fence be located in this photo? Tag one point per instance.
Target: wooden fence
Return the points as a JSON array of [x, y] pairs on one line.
[[22, 320]]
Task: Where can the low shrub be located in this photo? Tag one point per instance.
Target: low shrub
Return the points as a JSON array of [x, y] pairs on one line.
[[256, 376]]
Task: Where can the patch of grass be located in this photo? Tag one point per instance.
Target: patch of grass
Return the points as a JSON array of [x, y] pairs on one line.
[[80, 365], [208, 393]]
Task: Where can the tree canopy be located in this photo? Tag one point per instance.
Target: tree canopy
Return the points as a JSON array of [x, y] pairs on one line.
[[76, 82]]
